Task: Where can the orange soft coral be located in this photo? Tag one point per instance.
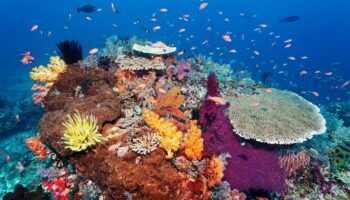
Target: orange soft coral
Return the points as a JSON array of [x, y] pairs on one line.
[[35, 145], [214, 171], [170, 137], [50, 73], [194, 142], [171, 98]]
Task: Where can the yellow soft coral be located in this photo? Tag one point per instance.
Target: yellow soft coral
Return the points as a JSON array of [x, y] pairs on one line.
[[50, 73], [170, 137], [214, 172], [80, 132], [194, 142]]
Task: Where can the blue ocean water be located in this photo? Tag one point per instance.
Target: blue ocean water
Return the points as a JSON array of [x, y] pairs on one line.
[[320, 42], [321, 34]]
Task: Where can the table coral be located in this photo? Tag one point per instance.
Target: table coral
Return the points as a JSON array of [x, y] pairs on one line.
[[280, 117], [138, 63]]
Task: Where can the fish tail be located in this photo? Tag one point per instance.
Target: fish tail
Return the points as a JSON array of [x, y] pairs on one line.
[[78, 10]]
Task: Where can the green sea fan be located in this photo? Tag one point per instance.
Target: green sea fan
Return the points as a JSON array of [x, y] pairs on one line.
[[80, 132]]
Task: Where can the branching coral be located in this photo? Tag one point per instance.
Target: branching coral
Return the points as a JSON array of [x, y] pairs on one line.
[[50, 73], [280, 117], [194, 142], [80, 132], [170, 137], [145, 144]]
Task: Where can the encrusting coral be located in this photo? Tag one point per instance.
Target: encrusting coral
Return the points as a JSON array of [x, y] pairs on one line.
[[80, 132], [193, 142], [277, 117], [170, 137], [50, 73]]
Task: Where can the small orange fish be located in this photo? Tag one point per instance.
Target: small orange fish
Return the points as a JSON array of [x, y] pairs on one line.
[[261, 198], [156, 28], [227, 38], [218, 100], [93, 51], [27, 58], [268, 90], [163, 10], [303, 72], [181, 52], [328, 73], [8, 158], [182, 30], [256, 53], [203, 5], [88, 18], [263, 25], [34, 27], [316, 94]]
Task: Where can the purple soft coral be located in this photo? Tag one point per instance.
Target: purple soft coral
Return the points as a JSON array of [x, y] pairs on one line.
[[250, 167]]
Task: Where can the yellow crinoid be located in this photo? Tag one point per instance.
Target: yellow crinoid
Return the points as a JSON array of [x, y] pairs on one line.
[[170, 137], [80, 132], [50, 73]]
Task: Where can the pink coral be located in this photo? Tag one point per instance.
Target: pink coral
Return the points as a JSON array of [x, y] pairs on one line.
[[292, 162], [41, 92]]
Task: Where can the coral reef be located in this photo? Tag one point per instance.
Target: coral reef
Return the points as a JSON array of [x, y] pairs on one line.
[[138, 63], [279, 117], [23, 193], [80, 132], [241, 171]]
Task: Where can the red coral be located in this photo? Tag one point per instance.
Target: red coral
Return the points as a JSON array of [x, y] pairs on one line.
[[59, 188], [35, 145]]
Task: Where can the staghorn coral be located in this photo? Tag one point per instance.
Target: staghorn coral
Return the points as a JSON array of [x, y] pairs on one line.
[[291, 162], [170, 137], [50, 73], [80, 132], [138, 63], [145, 144], [280, 117], [193, 142]]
